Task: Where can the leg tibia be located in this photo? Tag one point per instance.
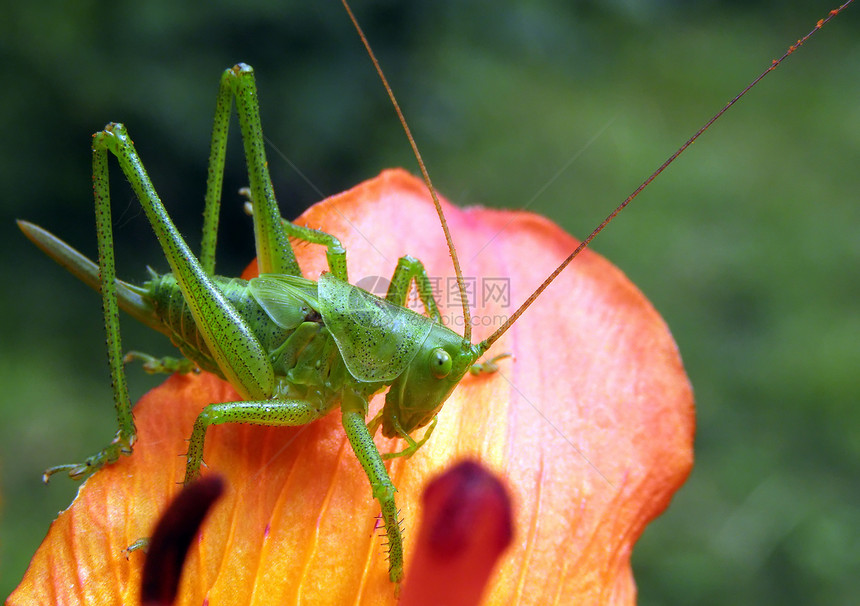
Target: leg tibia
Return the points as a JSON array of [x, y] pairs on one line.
[[381, 485], [274, 253]]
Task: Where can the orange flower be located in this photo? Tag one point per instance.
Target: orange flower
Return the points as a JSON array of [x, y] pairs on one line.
[[590, 425]]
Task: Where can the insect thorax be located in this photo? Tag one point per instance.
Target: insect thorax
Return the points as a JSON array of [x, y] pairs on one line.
[[306, 361]]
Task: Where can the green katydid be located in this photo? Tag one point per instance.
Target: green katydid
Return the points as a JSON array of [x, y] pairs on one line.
[[293, 348]]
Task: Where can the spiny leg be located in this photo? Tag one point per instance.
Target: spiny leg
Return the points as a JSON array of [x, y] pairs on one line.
[[236, 350], [126, 432], [274, 253], [239, 354], [268, 412], [412, 445], [233, 345], [353, 413], [335, 252], [215, 176], [298, 412]]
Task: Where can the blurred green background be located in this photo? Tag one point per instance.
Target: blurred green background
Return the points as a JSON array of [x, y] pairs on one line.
[[748, 245]]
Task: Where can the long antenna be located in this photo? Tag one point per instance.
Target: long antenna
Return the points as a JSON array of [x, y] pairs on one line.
[[467, 320], [504, 327]]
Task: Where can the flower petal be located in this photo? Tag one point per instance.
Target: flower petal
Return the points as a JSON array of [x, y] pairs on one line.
[[591, 424]]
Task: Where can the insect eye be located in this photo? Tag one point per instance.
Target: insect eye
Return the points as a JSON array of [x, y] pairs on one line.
[[440, 363]]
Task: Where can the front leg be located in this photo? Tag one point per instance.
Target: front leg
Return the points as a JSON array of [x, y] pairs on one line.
[[298, 412], [412, 446]]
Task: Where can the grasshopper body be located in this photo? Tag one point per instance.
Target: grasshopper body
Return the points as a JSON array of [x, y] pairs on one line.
[[293, 349]]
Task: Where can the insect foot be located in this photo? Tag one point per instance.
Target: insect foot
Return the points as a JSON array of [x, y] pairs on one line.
[[80, 471]]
